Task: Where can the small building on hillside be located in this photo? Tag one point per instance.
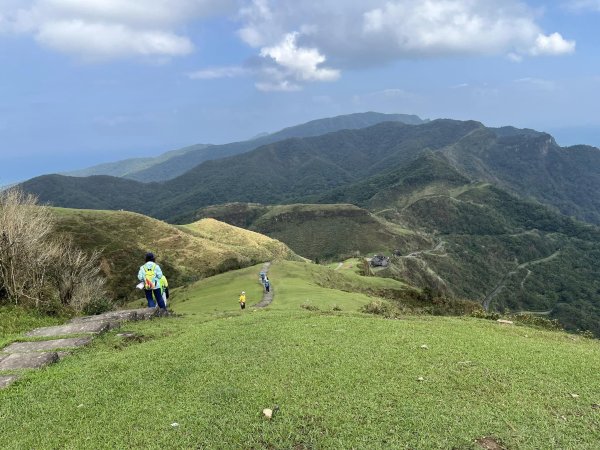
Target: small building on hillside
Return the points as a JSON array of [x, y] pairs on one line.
[[380, 261]]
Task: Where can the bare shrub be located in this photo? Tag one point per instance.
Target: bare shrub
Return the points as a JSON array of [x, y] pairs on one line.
[[76, 276], [39, 268], [25, 252]]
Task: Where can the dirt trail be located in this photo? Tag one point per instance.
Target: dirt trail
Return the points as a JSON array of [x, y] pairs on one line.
[[267, 296], [436, 248], [488, 299]]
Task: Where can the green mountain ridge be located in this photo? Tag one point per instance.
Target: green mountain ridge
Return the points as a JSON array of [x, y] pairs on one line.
[[527, 163], [465, 239], [481, 207], [176, 162], [125, 167]]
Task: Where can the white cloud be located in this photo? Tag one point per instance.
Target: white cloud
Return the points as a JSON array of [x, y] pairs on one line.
[[300, 63], [553, 44], [296, 41], [94, 42], [298, 35], [283, 67], [95, 30], [379, 31]]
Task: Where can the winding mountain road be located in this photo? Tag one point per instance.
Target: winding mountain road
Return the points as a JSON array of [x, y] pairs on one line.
[[502, 284]]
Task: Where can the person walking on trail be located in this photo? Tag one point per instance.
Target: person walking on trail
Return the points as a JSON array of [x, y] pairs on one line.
[[243, 300], [267, 285], [164, 289], [150, 274]]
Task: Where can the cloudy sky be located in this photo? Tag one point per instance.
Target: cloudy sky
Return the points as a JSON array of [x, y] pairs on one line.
[[89, 81]]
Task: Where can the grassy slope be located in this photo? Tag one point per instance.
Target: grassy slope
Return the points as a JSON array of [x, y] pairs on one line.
[[334, 231], [342, 380], [185, 253], [329, 231]]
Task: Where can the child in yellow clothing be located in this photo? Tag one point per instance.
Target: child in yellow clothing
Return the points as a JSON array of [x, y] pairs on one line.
[[164, 289], [243, 300]]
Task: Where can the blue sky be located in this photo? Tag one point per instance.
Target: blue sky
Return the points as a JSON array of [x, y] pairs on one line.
[[84, 82]]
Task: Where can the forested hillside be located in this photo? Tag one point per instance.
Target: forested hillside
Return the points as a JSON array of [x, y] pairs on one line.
[[474, 212]]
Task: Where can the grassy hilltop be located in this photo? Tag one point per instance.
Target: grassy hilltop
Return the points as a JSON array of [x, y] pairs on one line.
[[325, 232], [341, 379], [185, 253]]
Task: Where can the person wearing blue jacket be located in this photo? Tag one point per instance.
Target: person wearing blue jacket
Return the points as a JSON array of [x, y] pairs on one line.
[[150, 274]]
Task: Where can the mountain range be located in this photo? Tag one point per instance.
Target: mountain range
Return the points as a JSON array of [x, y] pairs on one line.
[[502, 216], [171, 164]]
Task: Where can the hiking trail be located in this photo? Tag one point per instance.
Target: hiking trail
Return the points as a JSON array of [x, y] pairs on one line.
[[267, 296], [502, 284], [58, 341]]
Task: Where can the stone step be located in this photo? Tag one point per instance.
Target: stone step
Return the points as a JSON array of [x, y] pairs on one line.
[[17, 361], [44, 346], [119, 316], [6, 380], [146, 313], [94, 327]]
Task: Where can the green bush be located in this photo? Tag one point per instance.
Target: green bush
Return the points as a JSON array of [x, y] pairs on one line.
[[537, 321], [309, 307], [480, 313], [381, 308], [98, 306]]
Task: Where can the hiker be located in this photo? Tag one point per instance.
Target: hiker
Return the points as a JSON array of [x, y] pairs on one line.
[[243, 300], [164, 289], [267, 285], [150, 274], [262, 277]]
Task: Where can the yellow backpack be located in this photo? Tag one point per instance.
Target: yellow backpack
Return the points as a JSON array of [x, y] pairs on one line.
[[150, 276]]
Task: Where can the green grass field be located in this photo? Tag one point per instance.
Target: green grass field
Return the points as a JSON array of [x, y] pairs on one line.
[[341, 379]]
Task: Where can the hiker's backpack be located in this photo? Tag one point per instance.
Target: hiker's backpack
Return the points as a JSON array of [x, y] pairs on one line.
[[150, 277]]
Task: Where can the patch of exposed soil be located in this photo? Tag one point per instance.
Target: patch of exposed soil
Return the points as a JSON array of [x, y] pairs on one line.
[[490, 443]]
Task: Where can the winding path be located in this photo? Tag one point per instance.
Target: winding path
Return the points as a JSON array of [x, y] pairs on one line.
[[267, 296], [488, 299]]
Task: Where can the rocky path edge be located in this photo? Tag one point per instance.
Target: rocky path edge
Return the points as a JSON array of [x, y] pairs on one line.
[[79, 332]]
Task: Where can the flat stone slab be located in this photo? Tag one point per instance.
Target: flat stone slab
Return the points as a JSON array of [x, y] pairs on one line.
[[16, 361], [6, 380], [120, 316], [95, 326], [146, 313], [44, 346]]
